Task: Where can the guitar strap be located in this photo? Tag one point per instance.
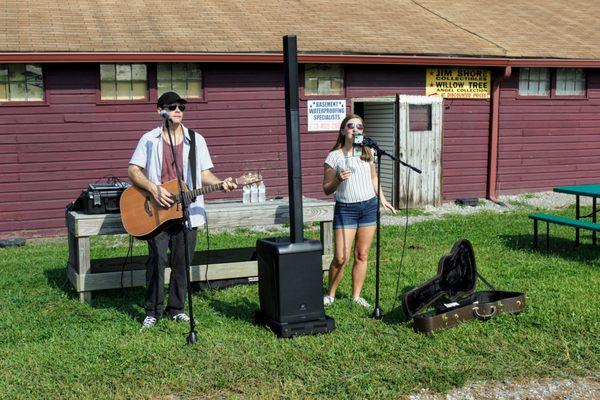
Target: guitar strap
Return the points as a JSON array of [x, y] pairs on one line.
[[192, 155]]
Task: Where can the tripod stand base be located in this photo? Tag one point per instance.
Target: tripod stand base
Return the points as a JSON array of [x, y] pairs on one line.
[[191, 339], [377, 314], [292, 329]]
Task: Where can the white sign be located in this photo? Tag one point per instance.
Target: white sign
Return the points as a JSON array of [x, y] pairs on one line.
[[325, 115]]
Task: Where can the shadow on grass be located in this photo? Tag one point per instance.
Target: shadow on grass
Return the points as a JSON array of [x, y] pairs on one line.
[[559, 247], [242, 309], [126, 300], [397, 315], [57, 279]]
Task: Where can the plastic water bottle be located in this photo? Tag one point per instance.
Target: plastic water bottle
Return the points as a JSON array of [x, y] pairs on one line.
[[262, 192], [246, 194], [254, 193]]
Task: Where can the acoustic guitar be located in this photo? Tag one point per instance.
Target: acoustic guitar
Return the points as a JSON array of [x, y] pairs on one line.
[[144, 218]]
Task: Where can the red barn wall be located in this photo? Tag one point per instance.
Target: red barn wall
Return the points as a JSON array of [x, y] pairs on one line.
[[51, 151], [545, 142], [465, 125]]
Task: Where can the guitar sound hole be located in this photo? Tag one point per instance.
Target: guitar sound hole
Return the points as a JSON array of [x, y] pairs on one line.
[[147, 206]]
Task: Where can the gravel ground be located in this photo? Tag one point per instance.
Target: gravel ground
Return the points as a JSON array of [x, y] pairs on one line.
[[545, 388], [545, 200]]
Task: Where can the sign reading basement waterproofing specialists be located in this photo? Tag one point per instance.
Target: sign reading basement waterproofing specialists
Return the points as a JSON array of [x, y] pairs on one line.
[[325, 115], [458, 83]]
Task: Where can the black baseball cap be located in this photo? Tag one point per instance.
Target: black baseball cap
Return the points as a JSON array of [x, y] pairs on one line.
[[169, 98]]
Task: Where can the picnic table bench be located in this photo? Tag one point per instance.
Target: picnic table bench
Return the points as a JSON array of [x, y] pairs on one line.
[[554, 219], [588, 190], [87, 274]]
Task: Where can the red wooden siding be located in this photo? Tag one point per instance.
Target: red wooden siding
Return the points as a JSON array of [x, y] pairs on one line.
[[548, 142], [465, 148], [465, 126], [49, 152]]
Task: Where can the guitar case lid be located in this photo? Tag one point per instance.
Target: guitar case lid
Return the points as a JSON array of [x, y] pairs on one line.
[[456, 278]]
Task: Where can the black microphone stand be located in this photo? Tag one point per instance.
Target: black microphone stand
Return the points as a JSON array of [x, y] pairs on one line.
[[191, 339], [380, 152]]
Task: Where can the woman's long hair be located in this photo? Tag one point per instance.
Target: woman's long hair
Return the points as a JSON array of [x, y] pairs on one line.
[[366, 155]]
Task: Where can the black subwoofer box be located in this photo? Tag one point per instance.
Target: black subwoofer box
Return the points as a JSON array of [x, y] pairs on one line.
[[290, 287]]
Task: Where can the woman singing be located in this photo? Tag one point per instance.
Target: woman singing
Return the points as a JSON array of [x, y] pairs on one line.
[[353, 180]]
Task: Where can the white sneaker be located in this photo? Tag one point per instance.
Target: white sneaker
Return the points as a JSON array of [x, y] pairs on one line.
[[328, 300], [361, 302], [148, 322], [181, 317]]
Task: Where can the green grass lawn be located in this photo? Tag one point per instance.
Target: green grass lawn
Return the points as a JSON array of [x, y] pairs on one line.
[[52, 346]]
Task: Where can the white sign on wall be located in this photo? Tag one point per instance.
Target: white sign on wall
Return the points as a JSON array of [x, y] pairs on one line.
[[325, 115]]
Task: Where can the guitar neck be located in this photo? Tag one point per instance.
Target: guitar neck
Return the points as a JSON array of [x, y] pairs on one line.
[[200, 191]]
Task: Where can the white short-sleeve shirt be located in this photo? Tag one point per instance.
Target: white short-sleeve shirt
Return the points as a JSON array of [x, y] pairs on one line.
[[149, 154], [359, 186]]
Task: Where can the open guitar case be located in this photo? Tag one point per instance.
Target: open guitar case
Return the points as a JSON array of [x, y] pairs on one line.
[[452, 294]]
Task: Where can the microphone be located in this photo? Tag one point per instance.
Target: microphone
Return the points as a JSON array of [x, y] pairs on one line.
[[357, 144], [358, 139], [367, 141], [165, 115]]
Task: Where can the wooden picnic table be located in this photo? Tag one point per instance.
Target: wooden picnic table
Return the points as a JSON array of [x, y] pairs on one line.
[[593, 191], [87, 274]]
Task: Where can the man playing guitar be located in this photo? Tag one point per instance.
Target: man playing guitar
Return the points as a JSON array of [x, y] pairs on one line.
[[150, 166]]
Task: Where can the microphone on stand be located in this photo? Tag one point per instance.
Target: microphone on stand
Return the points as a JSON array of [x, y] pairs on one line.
[[165, 115], [370, 143]]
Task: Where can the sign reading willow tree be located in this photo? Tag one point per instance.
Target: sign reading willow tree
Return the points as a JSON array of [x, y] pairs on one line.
[[458, 83]]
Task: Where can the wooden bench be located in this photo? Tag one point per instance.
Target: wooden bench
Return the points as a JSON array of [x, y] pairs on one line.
[[554, 219], [87, 274]]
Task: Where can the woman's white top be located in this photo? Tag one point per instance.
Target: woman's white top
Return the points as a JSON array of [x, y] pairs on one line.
[[359, 186]]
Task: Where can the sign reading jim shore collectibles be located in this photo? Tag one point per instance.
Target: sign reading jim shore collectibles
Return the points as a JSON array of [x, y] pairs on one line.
[[325, 115], [458, 83]]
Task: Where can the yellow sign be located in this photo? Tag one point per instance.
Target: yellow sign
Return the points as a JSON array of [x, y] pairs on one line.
[[458, 83]]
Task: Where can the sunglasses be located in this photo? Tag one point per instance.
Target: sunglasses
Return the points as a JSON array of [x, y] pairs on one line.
[[352, 125], [173, 106]]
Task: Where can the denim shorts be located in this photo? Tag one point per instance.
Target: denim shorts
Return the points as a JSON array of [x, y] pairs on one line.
[[355, 215]]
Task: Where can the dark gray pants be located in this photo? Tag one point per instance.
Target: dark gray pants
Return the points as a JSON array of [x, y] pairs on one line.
[[169, 239]]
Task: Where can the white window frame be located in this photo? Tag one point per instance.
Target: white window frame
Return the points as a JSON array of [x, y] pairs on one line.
[[570, 82], [131, 81], [534, 81], [324, 79], [28, 82], [189, 77]]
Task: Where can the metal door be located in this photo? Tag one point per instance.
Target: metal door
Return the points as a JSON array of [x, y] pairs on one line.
[[380, 124]]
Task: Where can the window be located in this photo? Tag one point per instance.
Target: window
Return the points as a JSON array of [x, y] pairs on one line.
[[419, 117], [123, 81], [183, 78], [534, 82], [21, 82], [323, 80], [570, 82]]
